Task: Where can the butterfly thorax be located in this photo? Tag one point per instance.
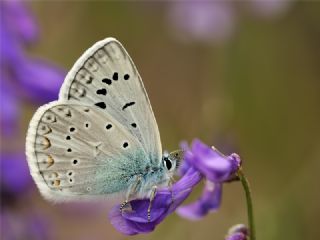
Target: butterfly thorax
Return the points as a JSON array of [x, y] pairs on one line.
[[157, 175]]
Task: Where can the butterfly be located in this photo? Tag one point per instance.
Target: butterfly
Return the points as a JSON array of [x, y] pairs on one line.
[[100, 139]]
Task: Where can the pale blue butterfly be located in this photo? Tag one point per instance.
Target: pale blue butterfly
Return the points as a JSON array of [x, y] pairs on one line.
[[100, 139]]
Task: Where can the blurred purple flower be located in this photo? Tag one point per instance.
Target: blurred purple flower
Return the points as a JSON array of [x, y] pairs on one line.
[[215, 21], [202, 20], [22, 77], [22, 24], [269, 8], [216, 168], [15, 183], [10, 50], [9, 111], [238, 232], [236, 236], [165, 202], [15, 176], [23, 226], [40, 79]]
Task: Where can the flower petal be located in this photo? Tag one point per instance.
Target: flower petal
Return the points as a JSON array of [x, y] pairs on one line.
[[236, 236], [15, 177], [22, 23], [208, 202], [210, 162], [165, 202], [182, 189], [239, 228], [41, 79], [9, 109], [204, 21], [26, 225], [271, 8], [139, 211], [10, 50], [126, 226], [120, 223]]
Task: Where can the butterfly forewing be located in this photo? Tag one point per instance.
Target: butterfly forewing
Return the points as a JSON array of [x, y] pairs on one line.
[[106, 78]]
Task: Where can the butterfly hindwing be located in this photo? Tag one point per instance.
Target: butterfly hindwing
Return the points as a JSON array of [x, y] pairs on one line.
[[106, 78], [76, 151]]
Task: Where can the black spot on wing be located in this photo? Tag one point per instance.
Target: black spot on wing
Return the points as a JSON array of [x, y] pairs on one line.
[[102, 91], [115, 76], [107, 81], [128, 105], [126, 77], [101, 105]]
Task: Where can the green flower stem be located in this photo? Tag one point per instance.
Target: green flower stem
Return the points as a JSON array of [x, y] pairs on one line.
[[246, 188]]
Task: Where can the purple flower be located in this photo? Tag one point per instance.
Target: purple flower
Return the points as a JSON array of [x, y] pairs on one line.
[[165, 202], [22, 24], [9, 111], [238, 232], [15, 225], [215, 21], [215, 166], [270, 8], [15, 176], [200, 162], [22, 78], [217, 169], [202, 20], [236, 236], [40, 79]]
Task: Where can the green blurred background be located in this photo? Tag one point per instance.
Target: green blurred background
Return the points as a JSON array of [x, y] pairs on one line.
[[255, 92]]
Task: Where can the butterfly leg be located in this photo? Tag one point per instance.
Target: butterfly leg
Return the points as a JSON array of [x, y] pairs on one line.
[[123, 205], [171, 181], [152, 196], [131, 191]]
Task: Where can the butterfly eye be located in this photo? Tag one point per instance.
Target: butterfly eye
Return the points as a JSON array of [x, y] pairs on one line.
[[168, 163]]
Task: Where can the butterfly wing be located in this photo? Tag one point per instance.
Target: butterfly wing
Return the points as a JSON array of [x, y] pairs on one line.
[[70, 149], [106, 77], [76, 151]]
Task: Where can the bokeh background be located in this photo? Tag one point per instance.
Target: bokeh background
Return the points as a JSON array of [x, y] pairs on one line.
[[241, 75]]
